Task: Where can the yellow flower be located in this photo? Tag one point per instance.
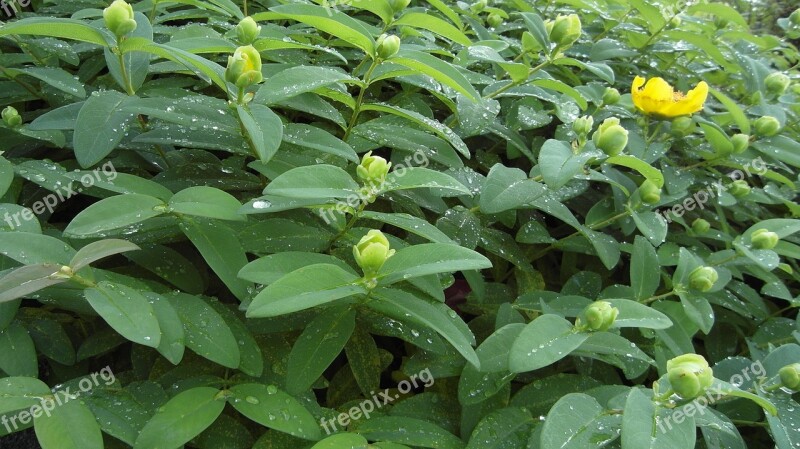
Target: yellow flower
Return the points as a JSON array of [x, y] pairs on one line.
[[657, 98]]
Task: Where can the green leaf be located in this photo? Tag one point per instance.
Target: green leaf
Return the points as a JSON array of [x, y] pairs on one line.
[[783, 427], [544, 341], [435, 25], [733, 108], [564, 88], [173, 339], [559, 164], [29, 248], [645, 427], [273, 408], [437, 69], [419, 177], [182, 418], [404, 306], [507, 427], [652, 225], [411, 224], [101, 124], [342, 441], [578, 421], [410, 431], [19, 354], [304, 288], [297, 80], [205, 330], [99, 250], [313, 181], [57, 78], [264, 129], [330, 21], [70, 425], [508, 188], [28, 279], [269, 269], [429, 258], [308, 136], [18, 393], [645, 269], [57, 27], [645, 169], [6, 175], [126, 311], [317, 347], [634, 314], [207, 202], [114, 213]]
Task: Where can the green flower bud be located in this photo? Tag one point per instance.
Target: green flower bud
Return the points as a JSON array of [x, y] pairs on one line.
[[529, 43], [479, 6], [767, 126], [565, 30], [119, 18], [11, 117], [244, 67], [682, 126], [701, 226], [689, 375], [583, 125], [388, 46], [790, 376], [600, 315], [649, 192], [721, 22], [372, 251], [247, 31], [373, 169], [795, 17], [610, 96], [777, 83], [399, 5], [739, 188], [764, 239], [756, 97], [675, 22], [740, 142], [703, 278], [494, 20], [611, 137]]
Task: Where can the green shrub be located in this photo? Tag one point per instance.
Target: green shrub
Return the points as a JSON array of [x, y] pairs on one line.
[[394, 224]]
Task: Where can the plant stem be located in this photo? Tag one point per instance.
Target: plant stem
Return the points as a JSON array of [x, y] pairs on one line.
[[517, 83], [126, 79], [360, 99]]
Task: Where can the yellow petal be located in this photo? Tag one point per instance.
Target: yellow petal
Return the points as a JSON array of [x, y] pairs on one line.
[[658, 90], [636, 94], [691, 103]]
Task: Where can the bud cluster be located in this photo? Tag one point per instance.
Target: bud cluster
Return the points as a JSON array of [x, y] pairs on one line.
[[689, 375]]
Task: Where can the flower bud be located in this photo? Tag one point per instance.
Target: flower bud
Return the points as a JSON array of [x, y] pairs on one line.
[[565, 30], [119, 18], [740, 142], [529, 43], [703, 278], [721, 22], [689, 375], [767, 126], [764, 239], [247, 31], [701, 226], [600, 315], [649, 192], [388, 46], [583, 125], [790, 376], [479, 6], [795, 17], [11, 117], [399, 5], [739, 188], [373, 169], [372, 251], [675, 22], [611, 137], [610, 96], [244, 67], [494, 20], [682, 126], [777, 83]]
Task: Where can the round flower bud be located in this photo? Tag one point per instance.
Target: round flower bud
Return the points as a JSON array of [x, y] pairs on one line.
[[11, 117], [610, 96], [244, 67], [565, 30], [703, 278], [689, 375], [767, 126], [777, 83], [740, 142], [373, 169], [795, 17], [790, 376], [388, 46], [675, 22], [764, 239], [682, 126], [701, 226], [529, 43], [372, 251], [247, 31], [721, 22], [494, 20], [479, 6], [119, 18], [649, 192], [399, 5], [610, 137], [600, 315], [583, 125], [739, 188]]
